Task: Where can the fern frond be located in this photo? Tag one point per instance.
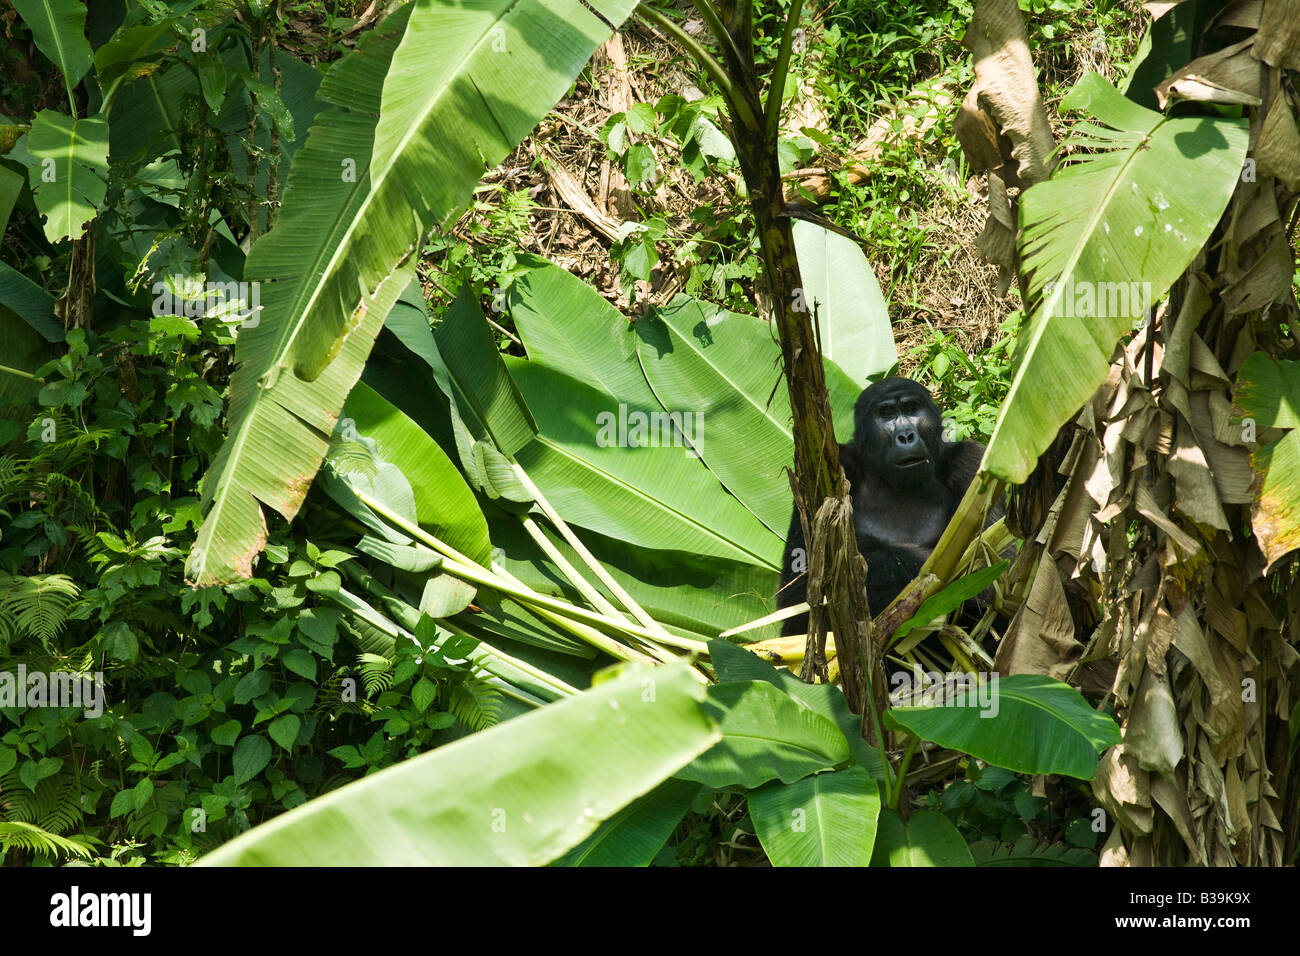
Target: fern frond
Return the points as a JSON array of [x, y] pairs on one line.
[[376, 673], [83, 502], [29, 837], [10, 469], [53, 806], [331, 701], [37, 605], [475, 702]]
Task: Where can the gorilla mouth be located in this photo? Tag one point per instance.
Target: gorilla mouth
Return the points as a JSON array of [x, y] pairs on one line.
[[913, 461]]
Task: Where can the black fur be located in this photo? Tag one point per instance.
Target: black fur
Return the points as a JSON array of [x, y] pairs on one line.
[[906, 483]]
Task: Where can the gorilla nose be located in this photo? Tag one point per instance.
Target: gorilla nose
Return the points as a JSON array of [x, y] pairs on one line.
[[905, 439]]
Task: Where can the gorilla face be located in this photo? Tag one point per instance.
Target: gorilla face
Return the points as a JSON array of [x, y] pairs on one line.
[[898, 432]]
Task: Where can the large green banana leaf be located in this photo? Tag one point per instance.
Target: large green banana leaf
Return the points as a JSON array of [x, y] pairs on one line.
[[572, 441], [725, 368], [1169, 44], [59, 29], [699, 595], [1028, 723], [828, 819], [486, 403], [29, 302], [147, 117], [279, 424], [69, 179], [634, 835], [926, 838], [656, 496], [696, 593], [728, 380], [852, 316], [520, 794], [444, 504], [1101, 241], [362, 192], [566, 324]]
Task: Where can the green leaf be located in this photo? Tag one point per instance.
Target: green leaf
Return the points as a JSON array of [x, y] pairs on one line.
[[131, 47], [852, 316], [765, 736], [70, 176], [225, 735], [698, 594], [444, 595], [252, 754], [141, 749], [636, 833], [11, 186], [29, 301], [59, 29], [318, 628], [1101, 241], [142, 793], [641, 118], [1028, 723], [828, 819], [302, 663], [568, 326], [485, 398], [928, 838], [120, 642], [639, 164], [1029, 852], [654, 494], [267, 99], [350, 756], [25, 352], [416, 560], [284, 730], [325, 583], [735, 663], [950, 598], [1169, 44], [724, 367], [353, 219], [521, 793], [123, 802], [423, 694], [252, 685], [443, 502]]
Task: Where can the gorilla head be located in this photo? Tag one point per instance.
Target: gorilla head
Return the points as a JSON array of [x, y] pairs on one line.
[[898, 432]]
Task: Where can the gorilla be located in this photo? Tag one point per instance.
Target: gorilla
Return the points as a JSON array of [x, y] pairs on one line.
[[906, 483]]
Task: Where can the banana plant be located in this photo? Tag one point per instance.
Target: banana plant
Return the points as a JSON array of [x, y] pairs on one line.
[[427, 98], [1101, 242]]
